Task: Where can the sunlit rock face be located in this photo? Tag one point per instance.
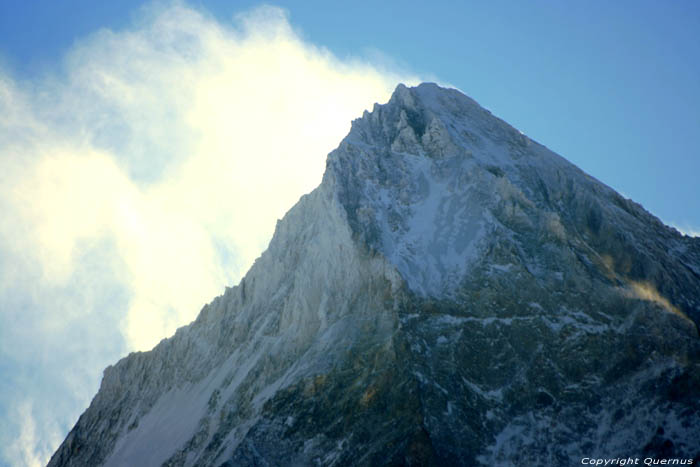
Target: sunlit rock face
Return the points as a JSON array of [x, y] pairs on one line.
[[453, 293]]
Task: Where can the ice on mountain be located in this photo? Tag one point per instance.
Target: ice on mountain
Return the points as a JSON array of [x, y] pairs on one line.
[[452, 293]]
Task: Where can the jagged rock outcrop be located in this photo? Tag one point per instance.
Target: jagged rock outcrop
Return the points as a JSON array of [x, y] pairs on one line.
[[453, 293]]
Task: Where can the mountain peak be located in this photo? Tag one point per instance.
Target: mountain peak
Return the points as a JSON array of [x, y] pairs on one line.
[[423, 176], [451, 294], [433, 181], [437, 122], [430, 95]]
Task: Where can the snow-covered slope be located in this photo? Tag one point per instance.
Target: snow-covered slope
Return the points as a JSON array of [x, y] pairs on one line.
[[452, 293]]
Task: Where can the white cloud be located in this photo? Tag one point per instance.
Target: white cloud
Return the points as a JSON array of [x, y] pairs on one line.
[[144, 176], [686, 229], [22, 450]]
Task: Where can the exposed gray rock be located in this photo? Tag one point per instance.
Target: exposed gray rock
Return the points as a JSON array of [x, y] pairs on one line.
[[453, 293]]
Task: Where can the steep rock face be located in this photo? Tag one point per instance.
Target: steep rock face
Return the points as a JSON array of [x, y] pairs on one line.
[[311, 298], [453, 293]]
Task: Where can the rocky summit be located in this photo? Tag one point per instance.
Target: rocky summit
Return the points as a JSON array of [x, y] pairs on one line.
[[453, 293]]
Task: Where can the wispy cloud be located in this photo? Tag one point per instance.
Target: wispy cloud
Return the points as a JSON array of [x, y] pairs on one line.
[[138, 180], [686, 229]]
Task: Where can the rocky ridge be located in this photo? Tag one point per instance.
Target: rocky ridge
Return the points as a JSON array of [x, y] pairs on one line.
[[453, 293]]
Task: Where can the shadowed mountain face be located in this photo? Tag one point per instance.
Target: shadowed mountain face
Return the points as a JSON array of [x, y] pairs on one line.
[[453, 293]]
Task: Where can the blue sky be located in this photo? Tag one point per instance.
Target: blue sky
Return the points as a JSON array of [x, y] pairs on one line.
[[138, 177]]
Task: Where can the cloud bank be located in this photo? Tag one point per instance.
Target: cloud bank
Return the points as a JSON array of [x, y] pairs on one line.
[[138, 180]]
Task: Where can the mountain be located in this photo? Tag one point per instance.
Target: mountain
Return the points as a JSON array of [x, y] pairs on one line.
[[453, 293]]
